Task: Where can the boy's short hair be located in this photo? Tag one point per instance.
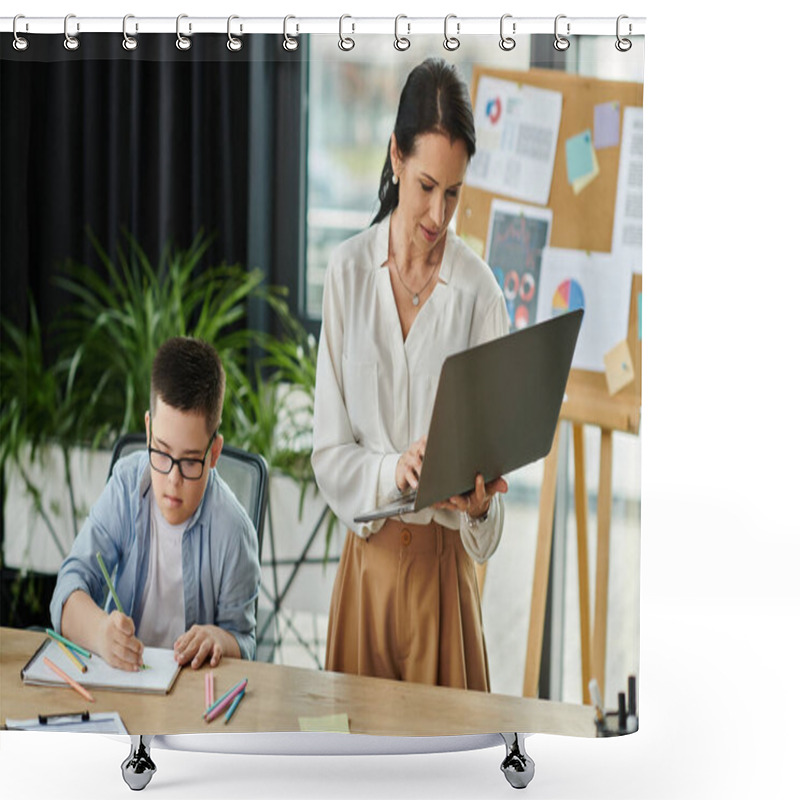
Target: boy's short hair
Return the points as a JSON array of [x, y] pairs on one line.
[[188, 375]]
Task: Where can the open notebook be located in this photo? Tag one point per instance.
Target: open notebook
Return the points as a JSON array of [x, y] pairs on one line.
[[158, 679]]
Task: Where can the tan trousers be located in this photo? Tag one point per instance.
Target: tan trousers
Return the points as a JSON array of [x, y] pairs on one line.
[[406, 606]]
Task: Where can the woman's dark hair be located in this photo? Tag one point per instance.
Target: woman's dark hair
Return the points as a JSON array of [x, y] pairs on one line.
[[188, 375], [434, 100]]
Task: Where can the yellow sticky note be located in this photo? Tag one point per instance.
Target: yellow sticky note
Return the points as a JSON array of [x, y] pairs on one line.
[[581, 183], [619, 367], [332, 723]]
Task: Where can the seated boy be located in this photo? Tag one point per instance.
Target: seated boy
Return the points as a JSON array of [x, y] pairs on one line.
[[185, 551]]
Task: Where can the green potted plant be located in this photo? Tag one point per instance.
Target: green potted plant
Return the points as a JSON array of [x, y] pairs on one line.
[[96, 387]]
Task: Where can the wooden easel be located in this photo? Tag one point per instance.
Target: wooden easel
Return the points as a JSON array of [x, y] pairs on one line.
[[588, 403]]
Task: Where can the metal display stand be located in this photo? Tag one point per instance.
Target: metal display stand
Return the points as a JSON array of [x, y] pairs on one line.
[[279, 592]]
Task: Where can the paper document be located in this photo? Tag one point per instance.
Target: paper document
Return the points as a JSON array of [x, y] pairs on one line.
[[158, 679], [627, 240], [109, 722], [517, 132], [596, 282]]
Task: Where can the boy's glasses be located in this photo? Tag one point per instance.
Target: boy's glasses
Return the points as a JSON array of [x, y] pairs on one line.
[[190, 468]]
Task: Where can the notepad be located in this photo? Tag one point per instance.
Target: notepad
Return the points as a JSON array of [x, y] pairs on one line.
[[158, 679]]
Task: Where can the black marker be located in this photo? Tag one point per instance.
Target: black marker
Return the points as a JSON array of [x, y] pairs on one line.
[[622, 716]]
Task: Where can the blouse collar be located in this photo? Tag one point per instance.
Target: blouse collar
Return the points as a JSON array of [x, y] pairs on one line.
[[381, 254]]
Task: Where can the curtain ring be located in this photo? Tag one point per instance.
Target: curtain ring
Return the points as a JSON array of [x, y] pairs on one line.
[[128, 42], [401, 42], [560, 43], [623, 45], [507, 42], [20, 42], [182, 42], [70, 42], [346, 43], [289, 42], [234, 44], [451, 43]]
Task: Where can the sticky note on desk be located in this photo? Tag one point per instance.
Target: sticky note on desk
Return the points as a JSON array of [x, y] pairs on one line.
[[606, 125], [619, 367], [332, 723]]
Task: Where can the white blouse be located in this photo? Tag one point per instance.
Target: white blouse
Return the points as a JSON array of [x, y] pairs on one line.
[[375, 392]]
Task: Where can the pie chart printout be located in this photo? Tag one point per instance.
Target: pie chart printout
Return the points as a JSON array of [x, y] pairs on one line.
[[568, 297]]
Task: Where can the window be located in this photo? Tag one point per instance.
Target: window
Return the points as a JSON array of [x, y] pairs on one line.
[[352, 107]]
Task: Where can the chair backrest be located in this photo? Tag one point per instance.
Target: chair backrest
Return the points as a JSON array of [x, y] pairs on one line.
[[245, 473]]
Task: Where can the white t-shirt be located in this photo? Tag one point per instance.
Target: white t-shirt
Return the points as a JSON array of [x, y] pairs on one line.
[[163, 609], [375, 391]]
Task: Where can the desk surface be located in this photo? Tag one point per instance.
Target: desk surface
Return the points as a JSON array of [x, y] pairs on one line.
[[278, 695]]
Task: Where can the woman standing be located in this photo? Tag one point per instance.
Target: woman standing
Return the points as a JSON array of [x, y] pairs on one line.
[[398, 299]]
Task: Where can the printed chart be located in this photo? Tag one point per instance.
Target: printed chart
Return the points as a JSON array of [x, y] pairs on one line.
[[518, 235], [568, 297]]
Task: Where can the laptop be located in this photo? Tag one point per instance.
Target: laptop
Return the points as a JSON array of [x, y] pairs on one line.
[[496, 409]]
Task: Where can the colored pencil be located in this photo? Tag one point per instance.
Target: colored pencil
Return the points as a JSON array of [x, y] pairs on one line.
[[224, 704], [227, 696], [63, 675], [78, 663], [209, 689], [108, 581], [72, 646], [234, 706]]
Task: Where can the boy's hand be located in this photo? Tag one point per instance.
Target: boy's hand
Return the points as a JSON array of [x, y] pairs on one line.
[[118, 645], [199, 643]]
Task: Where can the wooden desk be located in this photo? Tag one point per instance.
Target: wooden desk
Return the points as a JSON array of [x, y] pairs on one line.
[[278, 695]]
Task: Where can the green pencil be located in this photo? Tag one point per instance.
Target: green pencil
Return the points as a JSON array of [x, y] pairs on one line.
[[113, 593], [63, 639], [108, 581]]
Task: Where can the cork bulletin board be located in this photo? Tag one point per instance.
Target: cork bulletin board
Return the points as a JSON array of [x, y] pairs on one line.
[[583, 221]]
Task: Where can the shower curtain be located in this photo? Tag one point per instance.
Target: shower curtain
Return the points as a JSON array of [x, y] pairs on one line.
[[264, 151]]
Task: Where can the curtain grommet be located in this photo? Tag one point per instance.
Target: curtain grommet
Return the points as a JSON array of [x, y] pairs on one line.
[[20, 43], [290, 43], [129, 43], [507, 43], [234, 43], [182, 42], [560, 43], [401, 43], [71, 43], [346, 43], [623, 45], [451, 43]]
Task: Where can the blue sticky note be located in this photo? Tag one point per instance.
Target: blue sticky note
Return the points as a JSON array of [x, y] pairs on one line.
[[606, 125], [579, 156]]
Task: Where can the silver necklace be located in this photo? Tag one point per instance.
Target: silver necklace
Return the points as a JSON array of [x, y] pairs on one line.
[[414, 295]]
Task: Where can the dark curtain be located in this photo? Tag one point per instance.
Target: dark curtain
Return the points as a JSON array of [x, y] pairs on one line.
[[156, 142]]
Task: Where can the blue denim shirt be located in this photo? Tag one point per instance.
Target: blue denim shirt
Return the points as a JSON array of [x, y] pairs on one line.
[[221, 570]]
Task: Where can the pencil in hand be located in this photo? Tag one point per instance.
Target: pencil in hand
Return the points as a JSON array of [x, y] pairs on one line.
[[113, 593], [108, 582]]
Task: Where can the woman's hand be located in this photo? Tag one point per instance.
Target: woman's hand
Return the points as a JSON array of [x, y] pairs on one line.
[[409, 466], [475, 503]]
